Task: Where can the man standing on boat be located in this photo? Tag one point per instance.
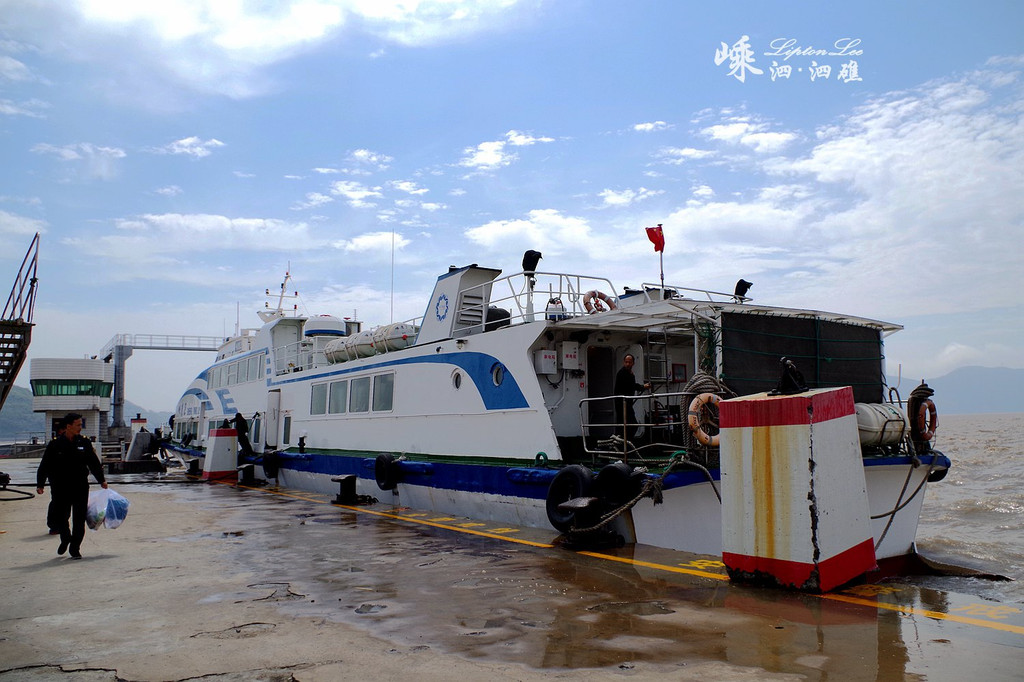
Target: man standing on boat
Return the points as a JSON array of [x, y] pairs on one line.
[[626, 385], [68, 465], [242, 430]]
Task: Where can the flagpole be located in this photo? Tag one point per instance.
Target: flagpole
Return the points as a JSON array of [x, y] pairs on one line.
[[657, 237], [661, 263]]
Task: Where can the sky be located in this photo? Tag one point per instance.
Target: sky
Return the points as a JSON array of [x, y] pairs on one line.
[[179, 157]]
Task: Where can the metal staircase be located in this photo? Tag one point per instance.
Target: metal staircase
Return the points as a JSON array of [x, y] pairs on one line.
[[16, 322]]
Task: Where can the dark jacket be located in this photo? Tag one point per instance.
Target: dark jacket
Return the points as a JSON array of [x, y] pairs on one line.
[[625, 383], [68, 463]]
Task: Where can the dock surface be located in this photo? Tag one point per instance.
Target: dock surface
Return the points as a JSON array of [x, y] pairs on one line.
[[218, 581]]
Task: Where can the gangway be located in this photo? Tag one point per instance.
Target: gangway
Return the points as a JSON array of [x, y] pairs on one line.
[[16, 321], [121, 347]]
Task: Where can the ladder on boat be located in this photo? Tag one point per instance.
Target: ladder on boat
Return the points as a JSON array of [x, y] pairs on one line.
[[656, 359]]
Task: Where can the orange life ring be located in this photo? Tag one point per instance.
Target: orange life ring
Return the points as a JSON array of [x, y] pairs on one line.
[[592, 301], [693, 418], [927, 419]]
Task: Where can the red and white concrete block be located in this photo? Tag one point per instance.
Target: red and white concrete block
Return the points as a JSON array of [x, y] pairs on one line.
[[794, 499]]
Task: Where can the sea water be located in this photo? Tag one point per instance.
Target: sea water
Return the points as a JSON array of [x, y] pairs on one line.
[[975, 517]]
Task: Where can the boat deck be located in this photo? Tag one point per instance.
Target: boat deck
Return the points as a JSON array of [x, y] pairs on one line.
[[225, 581]]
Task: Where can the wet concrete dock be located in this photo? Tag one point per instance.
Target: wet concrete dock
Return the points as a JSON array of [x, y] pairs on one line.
[[224, 582]]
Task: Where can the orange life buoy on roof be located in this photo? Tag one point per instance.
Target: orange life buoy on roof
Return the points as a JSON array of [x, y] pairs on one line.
[[592, 301], [693, 418], [927, 419]]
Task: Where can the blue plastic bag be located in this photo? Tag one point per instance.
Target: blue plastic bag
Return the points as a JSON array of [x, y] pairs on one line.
[[106, 508]]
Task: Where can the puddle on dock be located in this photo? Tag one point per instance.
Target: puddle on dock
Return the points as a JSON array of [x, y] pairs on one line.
[[550, 608]]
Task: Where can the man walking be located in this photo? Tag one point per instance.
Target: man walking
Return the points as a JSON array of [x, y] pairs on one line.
[[67, 465], [51, 513]]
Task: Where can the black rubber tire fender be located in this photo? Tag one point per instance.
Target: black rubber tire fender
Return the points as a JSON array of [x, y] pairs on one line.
[[385, 470], [616, 484], [572, 481]]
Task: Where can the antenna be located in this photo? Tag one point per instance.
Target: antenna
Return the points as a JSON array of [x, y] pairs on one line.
[[279, 311], [392, 275]]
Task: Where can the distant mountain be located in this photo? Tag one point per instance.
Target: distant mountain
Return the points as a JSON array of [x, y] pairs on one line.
[[19, 422], [973, 390]]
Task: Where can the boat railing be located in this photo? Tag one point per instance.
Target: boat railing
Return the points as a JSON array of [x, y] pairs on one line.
[[664, 423], [671, 291], [298, 356], [529, 296]]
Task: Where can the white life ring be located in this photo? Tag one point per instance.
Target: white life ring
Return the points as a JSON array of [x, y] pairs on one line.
[[693, 418], [592, 301]]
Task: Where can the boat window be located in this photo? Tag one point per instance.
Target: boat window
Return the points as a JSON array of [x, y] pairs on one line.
[[359, 398], [286, 437], [232, 374], [497, 374], [318, 401], [255, 429], [383, 392], [339, 397], [243, 371], [254, 367]]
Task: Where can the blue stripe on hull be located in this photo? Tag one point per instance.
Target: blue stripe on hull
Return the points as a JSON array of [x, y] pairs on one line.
[[527, 482]]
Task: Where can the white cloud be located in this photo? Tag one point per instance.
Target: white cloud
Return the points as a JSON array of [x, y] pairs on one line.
[[486, 156], [191, 146], [313, 199], [366, 158], [12, 223], [372, 241], [356, 193], [137, 249], [627, 197], [169, 191], [520, 139], [155, 53], [910, 205], [408, 186], [13, 70], [492, 155], [546, 230], [703, 192], [96, 162], [744, 132], [679, 155], [651, 127], [33, 108]]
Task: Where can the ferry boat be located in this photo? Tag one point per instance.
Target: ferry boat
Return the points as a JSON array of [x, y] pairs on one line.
[[498, 404]]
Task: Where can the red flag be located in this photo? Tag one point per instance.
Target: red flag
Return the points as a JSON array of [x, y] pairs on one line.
[[657, 237]]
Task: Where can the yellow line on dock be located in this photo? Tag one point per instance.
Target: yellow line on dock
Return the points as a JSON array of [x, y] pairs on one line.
[[909, 610], [660, 567], [847, 599]]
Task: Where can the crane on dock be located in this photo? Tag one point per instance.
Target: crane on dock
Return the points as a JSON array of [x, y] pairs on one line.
[[16, 321]]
